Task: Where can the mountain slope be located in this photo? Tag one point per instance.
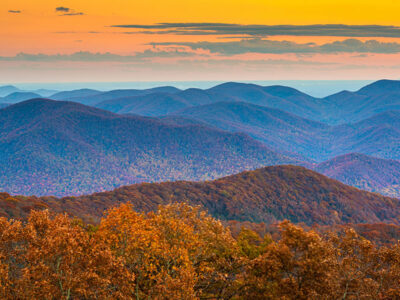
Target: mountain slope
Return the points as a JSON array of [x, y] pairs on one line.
[[118, 94], [7, 90], [340, 108], [67, 95], [376, 136], [20, 96], [265, 195], [161, 103], [350, 107], [59, 148], [276, 128], [381, 86], [154, 104], [278, 97], [365, 172], [45, 92]]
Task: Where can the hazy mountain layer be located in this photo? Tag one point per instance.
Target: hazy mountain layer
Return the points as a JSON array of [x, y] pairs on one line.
[[59, 148]]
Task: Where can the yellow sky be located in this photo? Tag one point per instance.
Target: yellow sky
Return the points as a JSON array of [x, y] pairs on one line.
[[40, 29], [248, 11], [34, 29]]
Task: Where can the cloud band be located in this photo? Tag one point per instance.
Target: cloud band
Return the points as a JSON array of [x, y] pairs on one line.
[[266, 30]]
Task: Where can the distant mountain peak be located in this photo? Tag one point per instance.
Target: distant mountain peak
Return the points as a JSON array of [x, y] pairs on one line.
[[344, 94], [69, 95], [48, 108], [20, 96], [380, 87], [283, 91], [8, 87], [43, 101], [232, 84]]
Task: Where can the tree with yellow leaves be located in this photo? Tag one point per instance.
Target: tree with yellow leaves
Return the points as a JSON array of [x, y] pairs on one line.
[[162, 269], [178, 252]]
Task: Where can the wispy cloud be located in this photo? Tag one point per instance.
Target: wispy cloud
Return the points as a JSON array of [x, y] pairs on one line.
[[257, 45], [74, 14], [225, 50], [96, 57], [79, 32], [66, 11], [25, 68], [12, 11], [62, 9], [266, 30]]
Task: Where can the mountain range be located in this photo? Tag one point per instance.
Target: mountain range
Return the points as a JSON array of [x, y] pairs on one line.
[[93, 97], [376, 136], [340, 108], [267, 195], [7, 90], [350, 136], [61, 148], [19, 97], [292, 100]]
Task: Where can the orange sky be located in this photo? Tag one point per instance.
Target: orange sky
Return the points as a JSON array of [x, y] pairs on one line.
[[38, 28], [34, 29]]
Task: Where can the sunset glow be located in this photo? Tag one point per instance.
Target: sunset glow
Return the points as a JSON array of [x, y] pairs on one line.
[[130, 28]]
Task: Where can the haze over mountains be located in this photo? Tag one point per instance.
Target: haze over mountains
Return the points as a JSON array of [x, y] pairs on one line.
[[19, 96], [93, 97], [7, 90], [341, 108], [60, 148], [376, 136], [166, 134]]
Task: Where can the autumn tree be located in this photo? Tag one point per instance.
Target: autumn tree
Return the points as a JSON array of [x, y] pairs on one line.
[[251, 244], [53, 258], [181, 252], [298, 266], [365, 271], [177, 252], [161, 269], [213, 252]]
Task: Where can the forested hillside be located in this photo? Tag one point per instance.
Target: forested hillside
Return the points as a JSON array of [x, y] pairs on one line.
[[365, 172], [168, 134], [64, 148], [267, 195]]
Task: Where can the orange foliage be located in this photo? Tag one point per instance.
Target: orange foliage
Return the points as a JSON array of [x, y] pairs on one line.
[[180, 252], [57, 259], [299, 266]]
